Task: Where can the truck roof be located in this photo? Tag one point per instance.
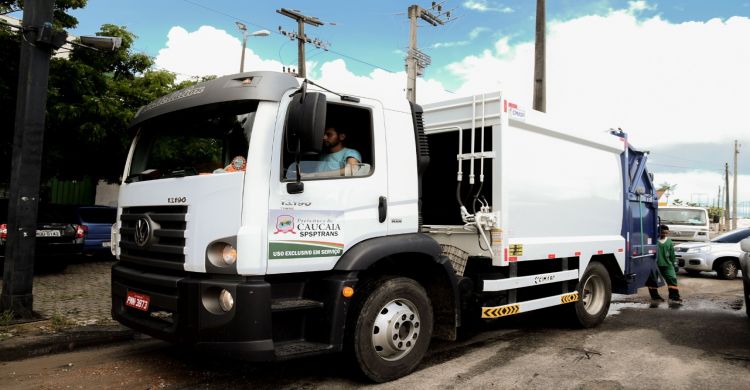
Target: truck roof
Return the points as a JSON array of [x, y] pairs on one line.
[[263, 85], [683, 207]]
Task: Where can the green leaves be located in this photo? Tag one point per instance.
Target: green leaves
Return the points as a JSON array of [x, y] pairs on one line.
[[92, 98]]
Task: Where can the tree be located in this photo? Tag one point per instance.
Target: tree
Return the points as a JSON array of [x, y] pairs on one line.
[[667, 189], [10, 51], [93, 96]]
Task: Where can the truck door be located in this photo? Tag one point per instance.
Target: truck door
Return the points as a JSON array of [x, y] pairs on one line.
[[640, 225], [310, 231]]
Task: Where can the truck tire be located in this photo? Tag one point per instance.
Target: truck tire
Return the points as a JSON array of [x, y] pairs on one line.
[[390, 328], [595, 294], [727, 269]]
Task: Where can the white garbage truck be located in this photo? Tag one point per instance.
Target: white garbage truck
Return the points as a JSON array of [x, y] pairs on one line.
[[231, 237]]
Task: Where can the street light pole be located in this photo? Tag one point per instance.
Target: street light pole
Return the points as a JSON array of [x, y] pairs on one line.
[[259, 33], [242, 28], [33, 76]]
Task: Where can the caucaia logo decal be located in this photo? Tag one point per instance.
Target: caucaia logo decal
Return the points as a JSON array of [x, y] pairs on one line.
[[284, 224]]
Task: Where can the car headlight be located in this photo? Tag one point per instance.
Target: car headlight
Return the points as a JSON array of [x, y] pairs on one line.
[[222, 254], [699, 249]]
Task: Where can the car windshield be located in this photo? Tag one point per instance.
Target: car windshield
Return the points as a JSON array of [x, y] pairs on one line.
[[733, 237], [210, 139], [683, 217]]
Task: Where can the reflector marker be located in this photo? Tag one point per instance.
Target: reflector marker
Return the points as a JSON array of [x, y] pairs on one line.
[[568, 298], [500, 311]]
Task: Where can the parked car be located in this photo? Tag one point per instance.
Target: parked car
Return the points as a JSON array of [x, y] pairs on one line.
[[58, 236], [97, 223], [745, 264], [722, 254]]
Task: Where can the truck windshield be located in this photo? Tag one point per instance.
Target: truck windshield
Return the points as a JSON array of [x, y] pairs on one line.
[[205, 140], [683, 217]]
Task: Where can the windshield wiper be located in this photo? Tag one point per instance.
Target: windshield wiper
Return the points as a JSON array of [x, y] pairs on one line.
[[181, 172], [148, 174]]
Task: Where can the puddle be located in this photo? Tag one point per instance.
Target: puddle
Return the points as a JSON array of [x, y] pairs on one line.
[[616, 307], [687, 304]]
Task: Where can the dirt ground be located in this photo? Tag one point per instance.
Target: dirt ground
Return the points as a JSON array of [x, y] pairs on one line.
[[703, 344]]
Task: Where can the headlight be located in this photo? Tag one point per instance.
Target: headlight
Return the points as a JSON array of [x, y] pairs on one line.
[[699, 249], [228, 254], [226, 301], [221, 254]]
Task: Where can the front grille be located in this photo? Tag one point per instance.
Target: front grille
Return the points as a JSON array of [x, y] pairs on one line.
[[165, 247]]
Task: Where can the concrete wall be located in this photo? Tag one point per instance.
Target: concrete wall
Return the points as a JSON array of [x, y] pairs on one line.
[[106, 194]]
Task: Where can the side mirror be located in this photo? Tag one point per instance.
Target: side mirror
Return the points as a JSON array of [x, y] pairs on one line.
[[305, 123], [745, 244]]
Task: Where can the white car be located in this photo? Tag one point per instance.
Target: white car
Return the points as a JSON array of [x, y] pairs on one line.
[[745, 263], [722, 254]]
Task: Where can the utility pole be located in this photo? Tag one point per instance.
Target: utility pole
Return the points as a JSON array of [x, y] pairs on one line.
[[540, 83], [300, 36], [28, 139], [734, 190], [416, 61], [726, 196]]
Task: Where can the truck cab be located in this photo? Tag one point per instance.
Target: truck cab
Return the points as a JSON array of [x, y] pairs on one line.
[[686, 224]]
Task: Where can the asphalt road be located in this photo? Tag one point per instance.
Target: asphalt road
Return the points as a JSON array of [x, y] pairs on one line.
[[704, 344]]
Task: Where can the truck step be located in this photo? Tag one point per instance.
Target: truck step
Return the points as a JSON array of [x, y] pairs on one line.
[[288, 304], [294, 349]]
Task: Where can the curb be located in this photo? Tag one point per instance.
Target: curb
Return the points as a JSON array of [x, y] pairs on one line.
[[24, 347]]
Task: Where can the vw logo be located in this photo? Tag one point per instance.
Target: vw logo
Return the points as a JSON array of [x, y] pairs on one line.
[[142, 232]]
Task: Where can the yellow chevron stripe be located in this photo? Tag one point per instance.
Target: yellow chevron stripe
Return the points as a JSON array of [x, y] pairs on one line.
[[568, 298], [500, 311]]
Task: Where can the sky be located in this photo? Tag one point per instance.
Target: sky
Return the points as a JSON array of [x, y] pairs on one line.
[[672, 74]]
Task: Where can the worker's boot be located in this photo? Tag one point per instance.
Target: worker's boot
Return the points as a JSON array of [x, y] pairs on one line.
[[674, 295], [655, 294]]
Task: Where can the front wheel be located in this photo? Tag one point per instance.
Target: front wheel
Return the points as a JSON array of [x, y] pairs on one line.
[[727, 270], [595, 294], [391, 328]]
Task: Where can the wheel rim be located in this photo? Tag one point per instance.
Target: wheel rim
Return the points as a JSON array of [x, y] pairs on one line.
[[396, 329], [593, 294], [730, 269]]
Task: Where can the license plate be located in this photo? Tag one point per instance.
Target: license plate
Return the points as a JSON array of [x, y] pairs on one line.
[[137, 301], [48, 233], [106, 244]]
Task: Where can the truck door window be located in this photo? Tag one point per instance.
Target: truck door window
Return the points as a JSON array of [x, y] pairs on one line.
[[347, 147], [202, 140]]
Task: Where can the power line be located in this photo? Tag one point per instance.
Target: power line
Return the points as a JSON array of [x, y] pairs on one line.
[[278, 33]]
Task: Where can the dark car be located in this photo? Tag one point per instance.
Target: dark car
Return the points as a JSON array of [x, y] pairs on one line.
[[58, 236], [97, 222]]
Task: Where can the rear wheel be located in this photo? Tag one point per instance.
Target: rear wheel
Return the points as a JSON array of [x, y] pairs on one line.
[[594, 296], [390, 329], [727, 269]]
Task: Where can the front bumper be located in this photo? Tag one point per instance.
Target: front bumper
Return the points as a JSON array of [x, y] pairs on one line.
[[693, 261], [180, 311]]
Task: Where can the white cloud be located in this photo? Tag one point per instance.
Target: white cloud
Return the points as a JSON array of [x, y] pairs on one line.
[[640, 6], [208, 51], [439, 45], [486, 6], [476, 32], [664, 83], [700, 186]]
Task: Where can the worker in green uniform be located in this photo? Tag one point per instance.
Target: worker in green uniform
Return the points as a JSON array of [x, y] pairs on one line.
[[665, 259]]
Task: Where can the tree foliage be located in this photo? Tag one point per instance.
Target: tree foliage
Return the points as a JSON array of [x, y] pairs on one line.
[[92, 97]]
